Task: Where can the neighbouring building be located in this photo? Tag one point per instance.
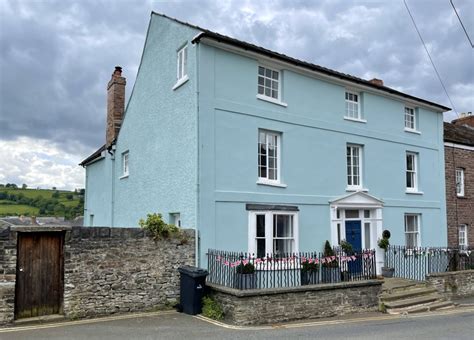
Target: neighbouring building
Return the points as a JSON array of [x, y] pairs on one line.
[[459, 157], [265, 153]]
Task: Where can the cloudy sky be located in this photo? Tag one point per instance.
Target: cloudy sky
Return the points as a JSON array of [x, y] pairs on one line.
[[57, 56]]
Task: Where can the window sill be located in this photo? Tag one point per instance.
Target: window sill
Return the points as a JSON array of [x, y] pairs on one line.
[[412, 131], [358, 120], [271, 100], [180, 82], [272, 184], [414, 192], [461, 196], [354, 189], [124, 176]]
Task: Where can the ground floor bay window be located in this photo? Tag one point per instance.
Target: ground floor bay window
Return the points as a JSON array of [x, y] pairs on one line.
[[273, 232]]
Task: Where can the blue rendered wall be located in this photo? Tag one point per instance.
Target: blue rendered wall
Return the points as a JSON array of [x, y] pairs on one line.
[[159, 132], [314, 137], [98, 196]]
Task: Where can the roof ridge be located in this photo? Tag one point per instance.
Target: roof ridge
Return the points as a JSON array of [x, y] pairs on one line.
[[298, 62]]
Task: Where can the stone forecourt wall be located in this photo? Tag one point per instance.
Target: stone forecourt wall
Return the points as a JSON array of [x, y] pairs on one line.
[[252, 307], [453, 284], [106, 270]]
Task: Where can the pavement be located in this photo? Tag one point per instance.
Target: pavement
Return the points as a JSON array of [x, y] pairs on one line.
[[450, 324]]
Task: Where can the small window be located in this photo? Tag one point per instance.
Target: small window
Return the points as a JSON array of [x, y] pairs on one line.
[[366, 213], [354, 167], [367, 235], [268, 156], [463, 236], [411, 172], [125, 157], [412, 230], [352, 105], [175, 219], [410, 119], [182, 63], [352, 213], [269, 82], [91, 220], [460, 182]]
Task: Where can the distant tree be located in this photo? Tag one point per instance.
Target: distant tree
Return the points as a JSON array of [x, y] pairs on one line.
[[3, 195], [55, 194], [69, 197], [2, 185], [24, 186], [82, 191], [54, 188], [12, 185]]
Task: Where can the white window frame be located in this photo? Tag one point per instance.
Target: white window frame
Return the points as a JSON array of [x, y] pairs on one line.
[[268, 135], [352, 187], [462, 236], [263, 96], [357, 118], [125, 164], [181, 66], [175, 219], [411, 112], [417, 232], [269, 237], [414, 172], [459, 178]]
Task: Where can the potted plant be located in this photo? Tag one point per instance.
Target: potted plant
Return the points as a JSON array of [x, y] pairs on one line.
[[330, 272], [245, 276], [384, 243], [309, 272]]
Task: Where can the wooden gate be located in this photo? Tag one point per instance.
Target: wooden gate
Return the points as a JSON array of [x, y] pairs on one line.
[[39, 274]]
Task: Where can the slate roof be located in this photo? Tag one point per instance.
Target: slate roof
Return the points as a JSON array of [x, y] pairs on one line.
[[313, 67], [92, 157], [458, 134]]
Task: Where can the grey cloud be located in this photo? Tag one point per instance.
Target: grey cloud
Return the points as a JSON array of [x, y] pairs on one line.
[[56, 56]]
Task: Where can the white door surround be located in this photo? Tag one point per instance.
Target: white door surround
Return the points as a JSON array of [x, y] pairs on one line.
[[359, 206]]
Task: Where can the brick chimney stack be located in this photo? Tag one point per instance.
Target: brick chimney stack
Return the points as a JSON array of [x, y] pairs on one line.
[[375, 81], [115, 105]]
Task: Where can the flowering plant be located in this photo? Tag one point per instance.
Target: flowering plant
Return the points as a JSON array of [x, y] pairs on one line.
[[245, 267], [309, 265]]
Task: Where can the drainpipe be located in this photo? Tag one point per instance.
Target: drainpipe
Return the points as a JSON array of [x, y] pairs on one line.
[[196, 235], [111, 151]]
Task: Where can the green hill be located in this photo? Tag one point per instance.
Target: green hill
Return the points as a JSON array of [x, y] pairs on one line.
[[41, 202]]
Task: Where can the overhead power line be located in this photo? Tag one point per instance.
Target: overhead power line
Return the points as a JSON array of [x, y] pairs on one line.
[[460, 21], [431, 59]]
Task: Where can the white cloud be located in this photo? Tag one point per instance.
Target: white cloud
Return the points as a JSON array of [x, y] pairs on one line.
[[39, 163]]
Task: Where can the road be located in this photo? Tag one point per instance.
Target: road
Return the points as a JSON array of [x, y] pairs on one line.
[[458, 324]]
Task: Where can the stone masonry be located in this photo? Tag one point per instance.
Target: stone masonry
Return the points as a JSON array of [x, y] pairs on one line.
[[453, 284], [117, 270], [107, 271], [253, 307]]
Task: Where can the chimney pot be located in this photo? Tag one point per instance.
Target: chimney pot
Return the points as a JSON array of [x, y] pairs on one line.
[[118, 71], [376, 81]]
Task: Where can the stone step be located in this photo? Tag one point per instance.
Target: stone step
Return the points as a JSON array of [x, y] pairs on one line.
[[422, 308], [393, 285], [407, 293], [419, 300]]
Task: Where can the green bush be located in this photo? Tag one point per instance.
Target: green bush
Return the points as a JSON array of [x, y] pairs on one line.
[[211, 309], [384, 243], [157, 227]]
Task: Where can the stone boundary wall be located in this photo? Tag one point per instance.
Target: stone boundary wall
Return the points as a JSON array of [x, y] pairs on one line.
[[453, 284], [255, 307], [106, 270]]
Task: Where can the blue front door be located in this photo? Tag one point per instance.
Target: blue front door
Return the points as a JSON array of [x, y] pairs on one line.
[[353, 234], [354, 237]]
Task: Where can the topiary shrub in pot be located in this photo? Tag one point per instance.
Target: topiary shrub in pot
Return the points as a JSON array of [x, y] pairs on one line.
[[384, 244], [330, 272]]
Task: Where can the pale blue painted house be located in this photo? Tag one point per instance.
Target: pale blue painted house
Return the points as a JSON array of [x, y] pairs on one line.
[[262, 152]]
